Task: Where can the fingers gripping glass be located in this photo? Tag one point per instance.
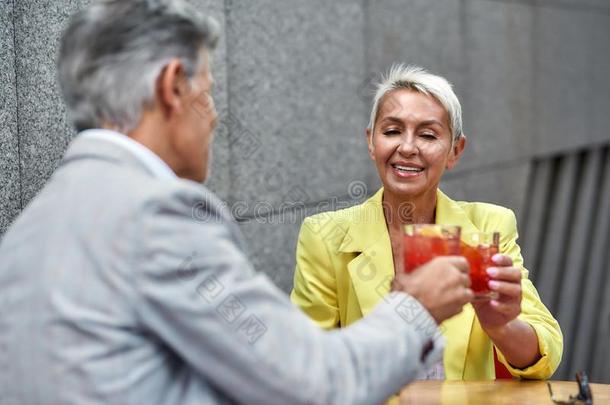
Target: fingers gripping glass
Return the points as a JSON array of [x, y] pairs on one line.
[[584, 392]]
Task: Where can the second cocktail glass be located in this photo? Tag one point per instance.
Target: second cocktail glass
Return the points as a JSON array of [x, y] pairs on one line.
[[478, 248]]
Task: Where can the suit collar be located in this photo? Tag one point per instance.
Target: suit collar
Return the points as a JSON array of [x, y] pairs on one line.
[[99, 149], [87, 148], [372, 269], [149, 158]]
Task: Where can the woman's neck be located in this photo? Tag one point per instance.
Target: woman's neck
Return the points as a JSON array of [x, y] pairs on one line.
[[400, 211]]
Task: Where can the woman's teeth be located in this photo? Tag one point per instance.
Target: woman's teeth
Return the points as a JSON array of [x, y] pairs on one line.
[[408, 169]]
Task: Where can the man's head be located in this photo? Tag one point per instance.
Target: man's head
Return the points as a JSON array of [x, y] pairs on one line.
[[141, 67]]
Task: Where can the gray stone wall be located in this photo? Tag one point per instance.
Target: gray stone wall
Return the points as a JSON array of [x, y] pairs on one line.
[[293, 95]]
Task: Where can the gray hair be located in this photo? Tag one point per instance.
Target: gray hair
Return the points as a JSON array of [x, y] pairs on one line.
[[113, 51], [418, 79]]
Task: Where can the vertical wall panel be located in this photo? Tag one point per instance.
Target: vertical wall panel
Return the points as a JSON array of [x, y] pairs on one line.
[[556, 235], [592, 352], [577, 264], [10, 195], [567, 234], [534, 218]]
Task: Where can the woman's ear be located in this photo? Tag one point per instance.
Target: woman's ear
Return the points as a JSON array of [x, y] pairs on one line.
[[369, 143], [456, 152]]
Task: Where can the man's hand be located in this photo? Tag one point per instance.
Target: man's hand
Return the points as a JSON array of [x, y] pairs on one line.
[[440, 285], [506, 281]]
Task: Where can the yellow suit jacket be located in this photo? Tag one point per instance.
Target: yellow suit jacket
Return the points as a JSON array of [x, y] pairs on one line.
[[344, 267]]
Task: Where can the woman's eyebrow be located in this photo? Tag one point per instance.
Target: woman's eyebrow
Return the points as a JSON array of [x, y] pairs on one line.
[[431, 122], [392, 119]]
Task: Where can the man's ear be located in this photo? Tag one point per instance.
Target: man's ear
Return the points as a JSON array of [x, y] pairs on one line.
[[369, 143], [456, 152], [172, 86]]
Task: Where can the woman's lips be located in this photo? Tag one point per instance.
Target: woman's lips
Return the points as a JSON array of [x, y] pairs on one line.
[[406, 171]]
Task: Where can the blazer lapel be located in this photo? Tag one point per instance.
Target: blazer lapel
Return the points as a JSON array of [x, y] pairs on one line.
[[449, 212], [371, 273], [372, 270]]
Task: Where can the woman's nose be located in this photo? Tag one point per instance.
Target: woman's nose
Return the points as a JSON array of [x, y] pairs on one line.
[[407, 146]]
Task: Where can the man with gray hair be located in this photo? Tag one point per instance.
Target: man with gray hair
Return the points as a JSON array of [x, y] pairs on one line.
[[111, 293]]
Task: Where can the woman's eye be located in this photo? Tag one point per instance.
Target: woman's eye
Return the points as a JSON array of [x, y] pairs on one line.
[[391, 132], [428, 135]]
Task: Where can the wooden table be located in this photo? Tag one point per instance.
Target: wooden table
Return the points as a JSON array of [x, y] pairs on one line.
[[509, 392]]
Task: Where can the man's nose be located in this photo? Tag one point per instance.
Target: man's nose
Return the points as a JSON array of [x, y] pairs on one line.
[[214, 115], [212, 110]]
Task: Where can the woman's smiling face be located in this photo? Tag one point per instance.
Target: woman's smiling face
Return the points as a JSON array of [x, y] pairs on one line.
[[411, 144]]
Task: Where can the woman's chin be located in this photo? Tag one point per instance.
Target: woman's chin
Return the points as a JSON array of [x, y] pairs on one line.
[[407, 191], [403, 191]]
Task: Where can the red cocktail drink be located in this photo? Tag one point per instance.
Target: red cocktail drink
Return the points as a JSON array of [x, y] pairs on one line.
[[424, 242], [478, 248]]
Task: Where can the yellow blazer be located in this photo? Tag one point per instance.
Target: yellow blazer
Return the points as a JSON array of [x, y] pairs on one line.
[[344, 266]]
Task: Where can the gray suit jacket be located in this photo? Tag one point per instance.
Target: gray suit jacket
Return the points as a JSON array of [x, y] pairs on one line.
[[117, 287]]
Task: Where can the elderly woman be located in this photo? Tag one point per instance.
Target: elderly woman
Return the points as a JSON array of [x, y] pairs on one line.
[[346, 259]]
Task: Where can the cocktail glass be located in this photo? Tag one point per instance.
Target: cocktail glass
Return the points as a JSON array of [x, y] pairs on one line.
[[424, 242], [478, 248]]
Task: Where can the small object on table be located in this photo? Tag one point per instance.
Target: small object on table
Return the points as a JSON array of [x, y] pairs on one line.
[[584, 392]]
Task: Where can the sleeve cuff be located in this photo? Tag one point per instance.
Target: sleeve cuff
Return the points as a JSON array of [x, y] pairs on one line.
[[542, 369]]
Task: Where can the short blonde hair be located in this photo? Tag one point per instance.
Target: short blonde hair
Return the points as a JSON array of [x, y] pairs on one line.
[[418, 79]]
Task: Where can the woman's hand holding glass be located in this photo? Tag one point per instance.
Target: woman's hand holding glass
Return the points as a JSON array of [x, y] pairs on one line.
[[506, 281]]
